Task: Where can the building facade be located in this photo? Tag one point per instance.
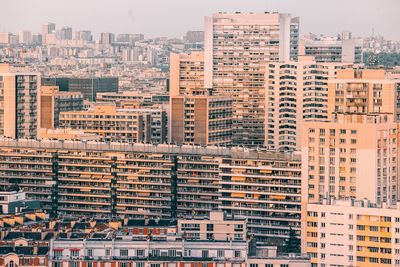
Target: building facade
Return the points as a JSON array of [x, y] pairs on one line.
[[164, 181], [201, 120], [332, 49], [119, 125], [186, 74], [352, 233], [354, 156], [297, 91], [237, 49], [53, 102], [19, 98], [89, 87], [364, 91]]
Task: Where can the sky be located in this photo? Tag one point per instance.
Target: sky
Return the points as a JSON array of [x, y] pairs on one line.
[[172, 18]]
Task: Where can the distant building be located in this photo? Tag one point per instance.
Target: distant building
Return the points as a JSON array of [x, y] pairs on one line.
[[194, 36], [89, 87], [19, 109], [25, 37], [53, 102], [201, 120], [65, 33], [5, 37], [332, 49], [84, 36], [107, 38]]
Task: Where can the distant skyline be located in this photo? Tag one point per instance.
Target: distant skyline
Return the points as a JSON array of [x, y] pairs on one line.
[[172, 18]]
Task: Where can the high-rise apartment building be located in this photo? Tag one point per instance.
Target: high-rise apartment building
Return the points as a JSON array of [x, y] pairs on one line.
[[107, 38], [364, 91], [65, 33], [19, 98], [332, 49], [201, 120], [237, 49], [48, 28], [5, 38], [53, 102], [186, 74], [25, 37], [352, 233], [48, 33], [353, 156], [84, 36], [296, 91]]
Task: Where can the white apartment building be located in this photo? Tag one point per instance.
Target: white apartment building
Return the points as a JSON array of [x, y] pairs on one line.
[[296, 91], [352, 233]]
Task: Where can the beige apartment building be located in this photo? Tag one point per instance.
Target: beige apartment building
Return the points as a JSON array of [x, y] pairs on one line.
[[364, 90], [19, 102], [159, 181], [237, 48], [118, 125], [53, 102], [201, 120], [186, 73], [296, 91], [354, 156]]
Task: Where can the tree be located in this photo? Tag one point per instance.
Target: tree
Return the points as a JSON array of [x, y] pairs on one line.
[[292, 244]]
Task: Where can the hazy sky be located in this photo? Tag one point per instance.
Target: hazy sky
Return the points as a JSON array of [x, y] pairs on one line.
[[173, 18]]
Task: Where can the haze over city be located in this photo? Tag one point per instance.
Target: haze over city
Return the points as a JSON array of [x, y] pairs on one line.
[[173, 18]]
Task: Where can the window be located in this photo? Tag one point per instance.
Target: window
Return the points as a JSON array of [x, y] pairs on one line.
[[74, 253], [139, 253], [57, 253], [210, 227], [269, 265], [187, 253], [74, 264], [123, 252], [171, 253], [123, 264], [237, 253], [204, 253], [107, 252], [220, 253], [90, 252], [155, 265], [139, 264], [284, 265], [253, 265], [11, 264]]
